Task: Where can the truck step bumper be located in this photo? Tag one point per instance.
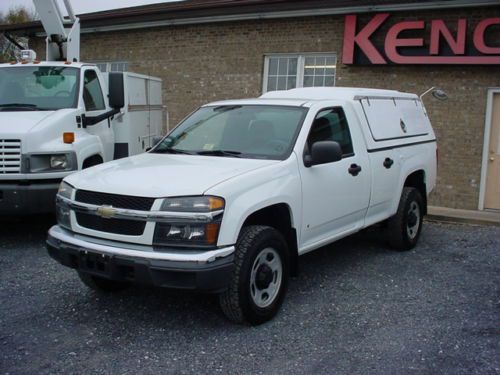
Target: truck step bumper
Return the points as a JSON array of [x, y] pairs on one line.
[[143, 267]]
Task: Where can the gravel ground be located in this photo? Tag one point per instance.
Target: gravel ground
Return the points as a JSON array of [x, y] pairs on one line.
[[355, 308]]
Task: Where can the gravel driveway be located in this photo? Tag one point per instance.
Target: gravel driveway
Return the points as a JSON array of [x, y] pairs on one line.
[[355, 308]]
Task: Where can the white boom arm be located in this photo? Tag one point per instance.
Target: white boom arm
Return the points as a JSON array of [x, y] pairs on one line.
[[62, 43]]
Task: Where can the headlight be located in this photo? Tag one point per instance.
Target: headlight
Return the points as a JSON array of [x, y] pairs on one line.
[[193, 204], [42, 163], [188, 232], [59, 162], [62, 209], [65, 190]]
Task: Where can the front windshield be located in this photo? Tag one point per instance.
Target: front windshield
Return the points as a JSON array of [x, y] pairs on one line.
[[38, 88], [249, 131]]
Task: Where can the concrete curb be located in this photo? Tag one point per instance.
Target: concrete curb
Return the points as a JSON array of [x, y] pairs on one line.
[[463, 216]]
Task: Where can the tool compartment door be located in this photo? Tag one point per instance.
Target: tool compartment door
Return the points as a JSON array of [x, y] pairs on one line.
[[395, 118]]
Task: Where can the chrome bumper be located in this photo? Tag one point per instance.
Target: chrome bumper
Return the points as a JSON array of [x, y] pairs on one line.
[[85, 243]]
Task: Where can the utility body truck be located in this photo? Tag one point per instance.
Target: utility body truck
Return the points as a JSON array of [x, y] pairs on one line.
[[229, 200], [60, 116]]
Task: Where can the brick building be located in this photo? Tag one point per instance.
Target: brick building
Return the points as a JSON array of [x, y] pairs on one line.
[[218, 49]]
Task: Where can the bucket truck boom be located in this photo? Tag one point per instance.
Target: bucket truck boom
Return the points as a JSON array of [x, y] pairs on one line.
[[63, 37]]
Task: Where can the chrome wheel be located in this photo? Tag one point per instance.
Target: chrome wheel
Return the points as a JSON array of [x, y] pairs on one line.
[[413, 222], [266, 277]]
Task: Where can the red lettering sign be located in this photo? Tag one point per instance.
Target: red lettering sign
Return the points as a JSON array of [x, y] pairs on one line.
[[479, 36], [360, 48], [362, 39], [457, 44]]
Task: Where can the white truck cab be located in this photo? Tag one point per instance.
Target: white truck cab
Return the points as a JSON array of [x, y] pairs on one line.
[[229, 200], [60, 116]]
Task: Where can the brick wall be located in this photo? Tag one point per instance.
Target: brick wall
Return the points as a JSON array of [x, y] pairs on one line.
[[207, 62]]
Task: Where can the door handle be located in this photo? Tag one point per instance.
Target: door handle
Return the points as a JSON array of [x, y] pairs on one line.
[[388, 162], [354, 169]]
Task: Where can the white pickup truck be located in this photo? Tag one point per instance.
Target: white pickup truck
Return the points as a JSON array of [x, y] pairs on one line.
[[230, 199]]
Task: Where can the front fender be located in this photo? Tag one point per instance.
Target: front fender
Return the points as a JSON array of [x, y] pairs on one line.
[[246, 194], [87, 145]]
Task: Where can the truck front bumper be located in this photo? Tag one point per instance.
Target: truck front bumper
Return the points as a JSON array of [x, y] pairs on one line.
[[207, 271], [28, 197]]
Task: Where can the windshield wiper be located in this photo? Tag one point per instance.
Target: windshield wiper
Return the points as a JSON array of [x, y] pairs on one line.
[[171, 151], [234, 154], [31, 107]]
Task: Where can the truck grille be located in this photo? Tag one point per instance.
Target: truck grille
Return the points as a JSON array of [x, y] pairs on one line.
[[115, 200], [116, 226], [10, 156]]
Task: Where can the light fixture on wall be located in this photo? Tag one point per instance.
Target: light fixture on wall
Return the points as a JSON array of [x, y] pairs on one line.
[[436, 92]]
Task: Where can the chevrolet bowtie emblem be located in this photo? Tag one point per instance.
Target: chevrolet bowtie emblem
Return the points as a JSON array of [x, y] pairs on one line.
[[106, 212]]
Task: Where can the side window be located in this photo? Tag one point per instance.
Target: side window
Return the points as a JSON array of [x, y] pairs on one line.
[[331, 125], [92, 94]]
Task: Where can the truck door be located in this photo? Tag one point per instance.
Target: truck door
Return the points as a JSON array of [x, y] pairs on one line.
[[95, 105], [335, 195]]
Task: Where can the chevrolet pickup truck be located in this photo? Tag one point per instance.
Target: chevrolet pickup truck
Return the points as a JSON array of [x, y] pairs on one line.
[[228, 201]]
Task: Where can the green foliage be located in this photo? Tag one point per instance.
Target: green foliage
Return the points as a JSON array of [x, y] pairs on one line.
[[17, 14]]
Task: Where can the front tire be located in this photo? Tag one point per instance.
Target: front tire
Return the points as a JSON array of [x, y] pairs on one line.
[[101, 284], [403, 229], [260, 277]]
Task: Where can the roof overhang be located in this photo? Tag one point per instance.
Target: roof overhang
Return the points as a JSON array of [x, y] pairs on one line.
[[214, 11]]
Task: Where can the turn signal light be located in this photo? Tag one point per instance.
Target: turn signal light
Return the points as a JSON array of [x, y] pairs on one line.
[[68, 137], [215, 203], [211, 233]]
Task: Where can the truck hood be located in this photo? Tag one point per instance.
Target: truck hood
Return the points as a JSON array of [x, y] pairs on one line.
[[163, 175], [16, 123]]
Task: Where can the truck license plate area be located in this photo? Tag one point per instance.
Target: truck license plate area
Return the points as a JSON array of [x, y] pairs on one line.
[[94, 262]]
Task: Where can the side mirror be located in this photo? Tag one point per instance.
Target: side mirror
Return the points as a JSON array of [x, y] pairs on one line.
[[116, 90], [323, 152]]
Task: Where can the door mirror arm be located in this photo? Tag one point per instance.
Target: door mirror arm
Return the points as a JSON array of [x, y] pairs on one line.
[[92, 120]]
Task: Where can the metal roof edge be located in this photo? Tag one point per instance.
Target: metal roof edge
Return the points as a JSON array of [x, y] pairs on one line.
[[431, 5], [296, 13]]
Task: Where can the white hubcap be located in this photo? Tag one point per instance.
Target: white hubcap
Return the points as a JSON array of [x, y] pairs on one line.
[[413, 220], [265, 278]]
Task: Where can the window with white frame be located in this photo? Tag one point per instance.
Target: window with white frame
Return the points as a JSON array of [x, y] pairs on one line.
[[112, 66], [284, 72]]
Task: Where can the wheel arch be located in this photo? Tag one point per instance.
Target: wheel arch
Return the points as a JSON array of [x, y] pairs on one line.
[[92, 160], [417, 180], [280, 217]]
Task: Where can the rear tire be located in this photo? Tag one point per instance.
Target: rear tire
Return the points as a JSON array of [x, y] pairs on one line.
[[101, 284], [403, 229], [260, 277]]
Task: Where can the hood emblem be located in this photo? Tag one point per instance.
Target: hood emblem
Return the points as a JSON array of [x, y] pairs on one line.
[[403, 126], [106, 212]]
